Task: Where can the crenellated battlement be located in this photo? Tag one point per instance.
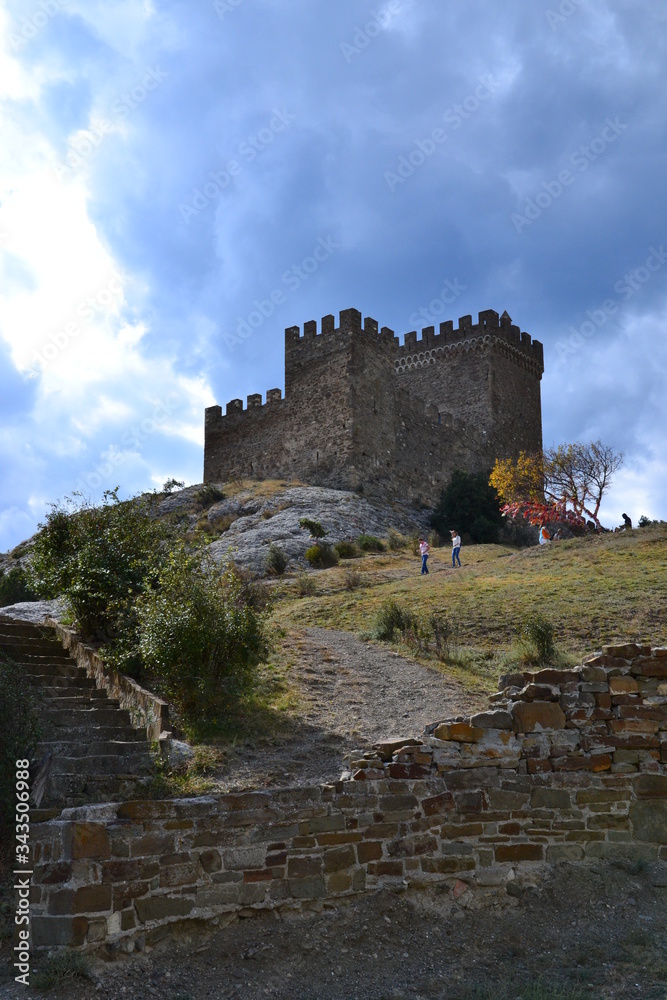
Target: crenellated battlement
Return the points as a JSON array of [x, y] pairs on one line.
[[350, 321], [490, 328], [235, 407]]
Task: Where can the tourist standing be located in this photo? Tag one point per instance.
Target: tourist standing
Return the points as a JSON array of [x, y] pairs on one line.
[[424, 550], [456, 548]]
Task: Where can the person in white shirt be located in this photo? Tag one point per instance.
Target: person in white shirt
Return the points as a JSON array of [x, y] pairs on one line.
[[424, 550], [456, 548], [544, 535]]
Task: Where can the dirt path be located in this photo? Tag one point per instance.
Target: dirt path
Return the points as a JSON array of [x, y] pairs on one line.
[[352, 693]]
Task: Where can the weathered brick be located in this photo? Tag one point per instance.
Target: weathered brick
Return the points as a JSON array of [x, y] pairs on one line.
[[159, 907], [304, 867], [459, 732], [369, 851], [87, 840], [447, 865], [649, 820], [519, 852], [531, 716], [307, 888], [338, 858]]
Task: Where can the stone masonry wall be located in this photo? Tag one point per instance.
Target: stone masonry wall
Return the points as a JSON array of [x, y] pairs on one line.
[[566, 765], [357, 403]]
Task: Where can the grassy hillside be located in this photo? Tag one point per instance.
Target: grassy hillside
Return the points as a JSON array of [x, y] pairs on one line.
[[595, 590]]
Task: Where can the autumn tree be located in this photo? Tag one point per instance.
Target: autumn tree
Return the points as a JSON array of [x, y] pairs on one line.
[[566, 483]]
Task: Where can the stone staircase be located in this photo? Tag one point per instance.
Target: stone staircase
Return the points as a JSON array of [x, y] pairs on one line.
[[97, 756]]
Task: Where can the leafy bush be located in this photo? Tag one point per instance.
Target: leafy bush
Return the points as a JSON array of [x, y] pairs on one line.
[[471, 506], [346, 550], [369, 543], [352, 578], [313, 527], [20, 732], [173, 484], [539, 633], [15, 587], [201, 636], [305, 585], [392, 618], [396, 540], [276, 560], [208, 494], [99, 558], [321, 556]]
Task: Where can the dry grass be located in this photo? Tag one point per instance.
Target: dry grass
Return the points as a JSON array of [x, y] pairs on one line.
[[595, 590]]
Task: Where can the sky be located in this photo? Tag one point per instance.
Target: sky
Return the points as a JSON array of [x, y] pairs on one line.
[[168, 170]]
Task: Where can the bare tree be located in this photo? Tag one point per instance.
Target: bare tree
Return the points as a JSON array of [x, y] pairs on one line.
[[581, 474]]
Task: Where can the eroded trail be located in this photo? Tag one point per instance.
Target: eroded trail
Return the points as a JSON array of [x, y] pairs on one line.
[[352, 694]]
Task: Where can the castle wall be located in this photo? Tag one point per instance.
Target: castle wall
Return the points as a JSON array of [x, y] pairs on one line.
[[567, 765], [363, 412]]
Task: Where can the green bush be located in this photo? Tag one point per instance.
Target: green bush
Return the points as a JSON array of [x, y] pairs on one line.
[[369, 543], [15, 587], [276, 560], [471, 506], [396, 540], [305, 585], [346, 550], [313, 527], [321, 556], [539, 633], [202, 637], [20, 732], [100, 559], [352, 578], [391, 618], [208, 494]]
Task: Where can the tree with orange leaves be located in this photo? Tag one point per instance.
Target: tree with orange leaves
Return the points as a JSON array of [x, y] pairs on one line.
[[566, 483]]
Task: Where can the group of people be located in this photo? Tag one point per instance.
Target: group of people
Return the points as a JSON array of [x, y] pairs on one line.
[[425, 549]]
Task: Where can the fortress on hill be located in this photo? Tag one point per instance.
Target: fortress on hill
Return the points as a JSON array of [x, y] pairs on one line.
[[363, 412]]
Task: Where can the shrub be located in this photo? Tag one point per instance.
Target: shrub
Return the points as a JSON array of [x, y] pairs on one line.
[[346, 550], [208, 494], [15, 587], [391, 618], [276, 560], [313, 527], [202, 638], [20, 732], [61, 971], [99, 558], [352, 578], [369, 543], [305, 585], [396, 540], [469, 504], [321, 556], [539, 633], [173, 484]]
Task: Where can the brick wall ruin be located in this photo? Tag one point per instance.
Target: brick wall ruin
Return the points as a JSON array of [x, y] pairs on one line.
[[565, 765], [362, 411]]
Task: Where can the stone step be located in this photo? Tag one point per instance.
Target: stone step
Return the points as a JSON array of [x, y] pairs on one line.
[[67, 697], [79, 681], [16, 646], [78, 789], [25, 629], [82, 734], [90, 748], [112, 716], [45, 670], [102, 765], [57, 656]]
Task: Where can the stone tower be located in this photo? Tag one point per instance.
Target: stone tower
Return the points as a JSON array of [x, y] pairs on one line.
[[361, 411]]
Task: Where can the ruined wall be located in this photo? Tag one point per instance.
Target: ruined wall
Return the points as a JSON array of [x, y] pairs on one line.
[[566, 765], [362, 412]]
